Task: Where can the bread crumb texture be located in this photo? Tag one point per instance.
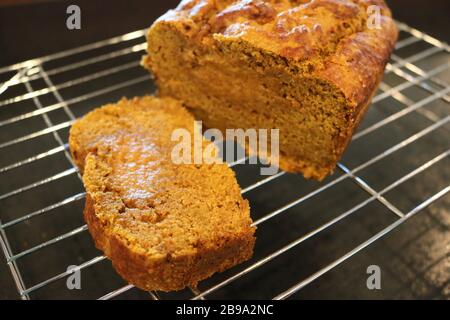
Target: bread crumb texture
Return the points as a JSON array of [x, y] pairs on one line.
[[308, 68], [164, 226]]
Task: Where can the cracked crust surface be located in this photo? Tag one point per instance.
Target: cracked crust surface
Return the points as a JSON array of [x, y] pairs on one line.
[[329, 38], [307, 67], [163, 226]]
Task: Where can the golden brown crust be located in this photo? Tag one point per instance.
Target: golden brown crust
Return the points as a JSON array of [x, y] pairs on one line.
[[330, 41], [359, 61], [332, 35], [165, 274], [164, 226]]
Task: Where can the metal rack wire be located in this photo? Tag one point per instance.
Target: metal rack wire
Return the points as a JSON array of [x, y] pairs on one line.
[[43, 71]]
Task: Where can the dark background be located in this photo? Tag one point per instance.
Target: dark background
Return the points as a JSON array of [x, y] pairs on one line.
[[31, 30]]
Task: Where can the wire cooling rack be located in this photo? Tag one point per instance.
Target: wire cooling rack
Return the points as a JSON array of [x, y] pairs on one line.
[[41, 196]]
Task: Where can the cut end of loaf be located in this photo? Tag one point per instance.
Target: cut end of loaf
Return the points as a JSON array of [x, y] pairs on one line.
[[228, 89], [307, 68]]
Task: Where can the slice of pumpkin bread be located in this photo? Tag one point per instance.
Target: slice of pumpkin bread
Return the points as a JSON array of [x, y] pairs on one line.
[[164, 226], [308, 68]]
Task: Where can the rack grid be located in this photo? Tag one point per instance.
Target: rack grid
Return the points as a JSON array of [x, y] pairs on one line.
[[45, 80]]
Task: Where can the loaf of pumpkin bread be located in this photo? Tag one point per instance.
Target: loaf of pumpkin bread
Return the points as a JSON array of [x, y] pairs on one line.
[[164, 226], [306, 67]]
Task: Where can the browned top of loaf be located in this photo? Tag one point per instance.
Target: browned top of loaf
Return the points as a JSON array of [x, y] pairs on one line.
[[156, 207], [325, 38]]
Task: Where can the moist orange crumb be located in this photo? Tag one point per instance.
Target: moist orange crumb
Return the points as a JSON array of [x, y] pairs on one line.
[[164, 226], [307, 67]]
